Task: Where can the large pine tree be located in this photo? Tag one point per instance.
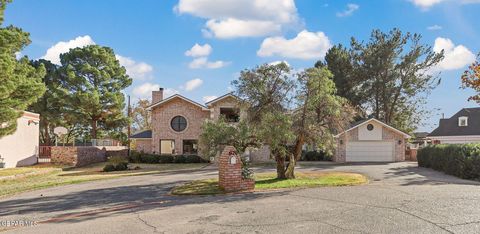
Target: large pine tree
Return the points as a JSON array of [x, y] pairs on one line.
[[20, 83], [95, 80]]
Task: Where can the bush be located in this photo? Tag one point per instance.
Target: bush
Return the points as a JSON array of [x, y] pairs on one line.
[[116, 163], [140, 157], [108, 168], [316, 156], [459, 160]]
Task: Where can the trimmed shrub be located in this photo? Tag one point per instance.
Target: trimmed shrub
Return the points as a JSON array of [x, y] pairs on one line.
[[459, 160], [140, 157], [316, 156], [108, 168]]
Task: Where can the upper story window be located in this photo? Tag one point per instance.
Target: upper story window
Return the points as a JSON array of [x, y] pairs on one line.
[[178, 123], [463, 121], [231, 115]]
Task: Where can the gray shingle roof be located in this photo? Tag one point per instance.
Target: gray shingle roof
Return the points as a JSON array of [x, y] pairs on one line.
[[143, 134], [449, 127]]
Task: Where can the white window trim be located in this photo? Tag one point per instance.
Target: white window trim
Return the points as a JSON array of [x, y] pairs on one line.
[[460, 119]]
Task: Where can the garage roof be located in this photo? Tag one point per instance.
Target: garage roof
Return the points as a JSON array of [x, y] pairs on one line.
[[363, 122]]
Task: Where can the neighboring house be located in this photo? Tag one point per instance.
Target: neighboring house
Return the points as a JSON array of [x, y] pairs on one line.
[[21, 147], [370, 141], [142, 141], [463, 127], [420, 140]]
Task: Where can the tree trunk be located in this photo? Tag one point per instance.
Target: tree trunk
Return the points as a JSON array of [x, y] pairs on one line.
[[94, 129], [280, 167], [290, 172], [46, 140]]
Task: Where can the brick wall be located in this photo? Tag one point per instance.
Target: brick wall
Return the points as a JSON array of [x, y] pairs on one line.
[[230, 172], [162, 116], [77, 156], [144, 145]]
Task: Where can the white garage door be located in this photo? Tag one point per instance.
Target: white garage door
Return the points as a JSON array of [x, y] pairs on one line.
[[370, 151]]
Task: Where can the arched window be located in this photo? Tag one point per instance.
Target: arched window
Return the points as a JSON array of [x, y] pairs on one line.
[[178, 123]]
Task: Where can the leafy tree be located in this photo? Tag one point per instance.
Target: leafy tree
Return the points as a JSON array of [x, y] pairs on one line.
[[20, 83], [471, 79], [389, 76], [50, 105], [141, 117], [266, 94], [216, 134], [95, 80], [319, 113]]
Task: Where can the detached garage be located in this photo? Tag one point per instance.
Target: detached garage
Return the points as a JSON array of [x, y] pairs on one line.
[[371, 141]]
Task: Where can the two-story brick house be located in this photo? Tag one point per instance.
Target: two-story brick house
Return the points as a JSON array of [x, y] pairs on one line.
[[177, 121]]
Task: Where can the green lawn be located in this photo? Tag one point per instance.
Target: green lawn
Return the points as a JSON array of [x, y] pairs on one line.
[[267, 181], [38, 177]]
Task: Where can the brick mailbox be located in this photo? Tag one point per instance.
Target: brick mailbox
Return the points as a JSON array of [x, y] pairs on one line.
[[230, 172]]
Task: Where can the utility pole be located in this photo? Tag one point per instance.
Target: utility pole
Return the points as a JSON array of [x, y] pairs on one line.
[[129, 110]]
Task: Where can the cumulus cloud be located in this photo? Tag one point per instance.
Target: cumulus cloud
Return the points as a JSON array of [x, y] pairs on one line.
[[434, 27], [53, 53], [136, 70], [349, 11], [306, 45], [278, 62], [145, 90], [18, 55], [203, 62], [246, 18], [199, 51], [192, 84], [209, 98], [456, 57]]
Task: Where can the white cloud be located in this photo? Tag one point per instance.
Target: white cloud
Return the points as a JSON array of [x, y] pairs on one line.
[[192, 84], [53, 53], [145, 90], [426, 4], [136, 70], [203, 62], [435, 27], [199, 51], [349, 11], [18, 55], [456, 57], [278, 62], [306, 45], [231, 28], [209, 98], [246, 18]]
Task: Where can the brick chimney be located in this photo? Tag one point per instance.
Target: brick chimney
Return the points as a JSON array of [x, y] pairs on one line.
[[157, 96]]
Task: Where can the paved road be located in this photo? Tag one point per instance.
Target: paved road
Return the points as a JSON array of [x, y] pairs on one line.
[[401, 198]]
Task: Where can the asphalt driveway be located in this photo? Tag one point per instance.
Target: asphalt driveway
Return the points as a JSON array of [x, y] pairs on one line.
[[400, 198]]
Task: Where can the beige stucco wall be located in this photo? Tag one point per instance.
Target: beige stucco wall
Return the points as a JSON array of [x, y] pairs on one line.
[[163, 114], [21, 148], [353, 136]]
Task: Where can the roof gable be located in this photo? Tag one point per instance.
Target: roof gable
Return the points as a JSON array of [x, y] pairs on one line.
[[363, 122], [449, 127], [223, 97], [177, 96]]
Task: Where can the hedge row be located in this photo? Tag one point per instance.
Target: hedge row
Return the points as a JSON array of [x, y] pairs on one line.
[[315, 156], [139, 157], [459, 160]]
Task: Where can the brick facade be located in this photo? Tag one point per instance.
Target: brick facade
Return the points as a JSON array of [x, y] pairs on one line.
[[352, 136], [230, 172], [143, 145], [162, 116]]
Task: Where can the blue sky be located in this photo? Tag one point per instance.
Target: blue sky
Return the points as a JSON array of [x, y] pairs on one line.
[[152, 37]]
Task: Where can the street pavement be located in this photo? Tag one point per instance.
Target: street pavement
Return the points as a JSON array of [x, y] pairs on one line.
[[400, 198]]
